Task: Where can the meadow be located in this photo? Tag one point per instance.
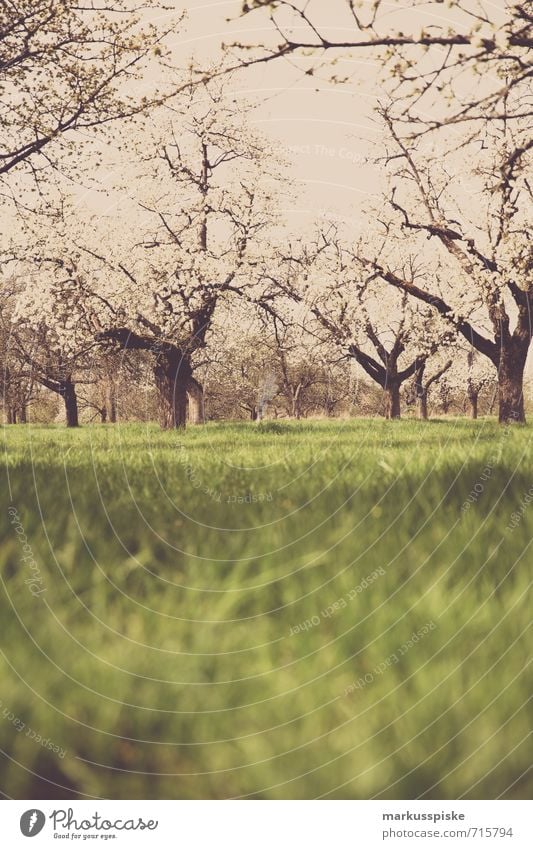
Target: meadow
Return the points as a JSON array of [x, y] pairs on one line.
[[333, 609]]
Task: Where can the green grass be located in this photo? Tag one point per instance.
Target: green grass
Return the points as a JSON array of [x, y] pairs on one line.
[[160, 656]]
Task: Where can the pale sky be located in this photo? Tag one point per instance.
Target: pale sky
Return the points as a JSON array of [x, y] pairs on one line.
[[322, 125], [329, 129]]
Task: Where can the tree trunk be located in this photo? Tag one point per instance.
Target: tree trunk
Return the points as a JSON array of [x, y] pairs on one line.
[[23, 417], [68, 393], [103, 415], [511, 384], [110, 401], [204, 189], [473, 399], [392, 394], [493, 401], [195, 396], [422, 405], [421, 392], [172, 373], [296, 408]]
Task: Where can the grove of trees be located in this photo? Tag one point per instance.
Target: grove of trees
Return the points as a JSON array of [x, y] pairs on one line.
[[185, 295]]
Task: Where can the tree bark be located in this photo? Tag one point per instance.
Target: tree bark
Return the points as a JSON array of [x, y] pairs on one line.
[[68, 393], [473, 399], [511, 383], [195, 396], [172, 373], [23, 417], [422, 405], [392, 394], [493, 401], [110, 401], [204, 189], [296, 406], [386, 373]]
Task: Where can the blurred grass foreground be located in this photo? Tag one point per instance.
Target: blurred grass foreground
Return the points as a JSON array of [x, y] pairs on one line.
[[297, 610]]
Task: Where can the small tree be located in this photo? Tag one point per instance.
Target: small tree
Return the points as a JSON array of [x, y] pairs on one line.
[[464, 383], [51, 331], [387, 337], [299, 364], [425, 379], [479, 376], [16, 381]]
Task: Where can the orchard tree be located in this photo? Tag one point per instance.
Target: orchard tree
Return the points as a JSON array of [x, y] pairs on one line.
[[274, 364], [68, 68], [236, 377], [426, 378], [299, 364], [110, 376], [203, 201], [16, 382], [387, 336], [470, 377], [211, 393], [51, 334], [479, 376], [479, 260], [336, 391]]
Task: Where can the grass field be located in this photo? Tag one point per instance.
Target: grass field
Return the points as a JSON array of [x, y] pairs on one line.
[[229, 612]]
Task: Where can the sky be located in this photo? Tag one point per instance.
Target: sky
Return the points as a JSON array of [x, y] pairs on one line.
[[328, 131], [325, 130]]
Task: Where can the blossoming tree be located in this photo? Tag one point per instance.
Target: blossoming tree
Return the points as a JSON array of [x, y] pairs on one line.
[[52, 331], [479, 260], [68, 67], [383, 332], [201, 203]]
